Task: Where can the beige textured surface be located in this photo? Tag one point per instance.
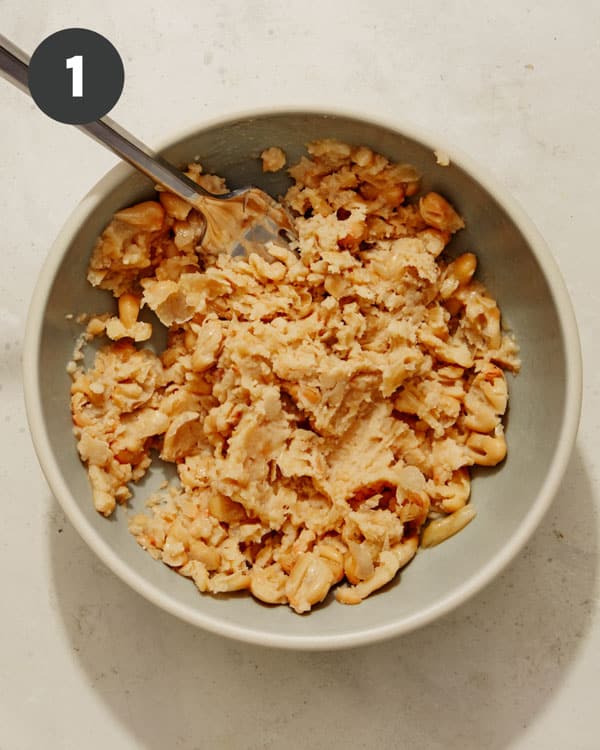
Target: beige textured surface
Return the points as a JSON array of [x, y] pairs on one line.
[[86, 662]]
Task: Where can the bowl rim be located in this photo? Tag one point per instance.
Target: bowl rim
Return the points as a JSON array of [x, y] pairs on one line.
[[472, 585]]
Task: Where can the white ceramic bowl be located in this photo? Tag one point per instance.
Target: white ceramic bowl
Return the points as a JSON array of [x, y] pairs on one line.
[[544, 407]]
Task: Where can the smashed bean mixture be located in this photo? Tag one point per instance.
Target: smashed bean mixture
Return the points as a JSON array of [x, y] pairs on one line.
[[322, 410]]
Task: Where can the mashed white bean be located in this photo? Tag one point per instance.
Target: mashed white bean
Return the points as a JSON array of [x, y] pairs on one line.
[[320, 409]]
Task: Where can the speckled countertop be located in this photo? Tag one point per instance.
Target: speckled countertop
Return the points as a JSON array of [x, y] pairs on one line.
[[85, 662]]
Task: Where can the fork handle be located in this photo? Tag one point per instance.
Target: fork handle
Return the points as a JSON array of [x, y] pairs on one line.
[[14, 68]]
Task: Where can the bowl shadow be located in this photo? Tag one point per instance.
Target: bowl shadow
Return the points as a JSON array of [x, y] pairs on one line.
[[476, 678]]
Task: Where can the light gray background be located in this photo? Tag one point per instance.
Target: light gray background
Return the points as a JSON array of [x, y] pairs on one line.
[[85, 662]]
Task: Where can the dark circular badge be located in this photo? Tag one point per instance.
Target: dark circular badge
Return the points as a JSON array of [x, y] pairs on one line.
[[76, 76]]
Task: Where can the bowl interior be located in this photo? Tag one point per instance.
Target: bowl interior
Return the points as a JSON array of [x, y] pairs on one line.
[[504, 497]]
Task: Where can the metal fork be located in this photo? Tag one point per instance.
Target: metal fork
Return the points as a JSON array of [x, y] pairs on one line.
[[239, 222]]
